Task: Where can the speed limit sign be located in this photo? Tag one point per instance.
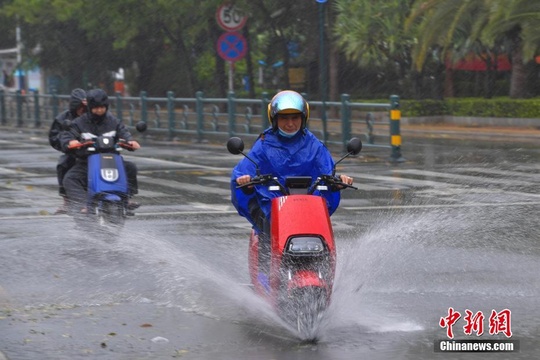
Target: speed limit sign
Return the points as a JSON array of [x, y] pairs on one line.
[[230, 18]]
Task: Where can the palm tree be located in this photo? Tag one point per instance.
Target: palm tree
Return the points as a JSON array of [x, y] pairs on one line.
[[461, 26], [445, 31], [517, 22], [371, 32]]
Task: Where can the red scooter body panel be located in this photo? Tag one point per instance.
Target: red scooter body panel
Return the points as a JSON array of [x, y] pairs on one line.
[[293, 215], [305, 278], [300, 215]]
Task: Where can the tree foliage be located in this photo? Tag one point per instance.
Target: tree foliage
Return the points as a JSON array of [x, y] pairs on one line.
[[462, 26], [371, 32], [171, 44]]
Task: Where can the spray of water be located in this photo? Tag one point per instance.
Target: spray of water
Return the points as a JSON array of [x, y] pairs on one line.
[[190, 282], [443, 251]]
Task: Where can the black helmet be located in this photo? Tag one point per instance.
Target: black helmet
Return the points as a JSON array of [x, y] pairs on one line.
[[76, 100], [288, 102], [97, 98]]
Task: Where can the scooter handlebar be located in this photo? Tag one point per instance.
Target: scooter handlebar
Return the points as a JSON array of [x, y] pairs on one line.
[[347, 186], [80, 145], [332, 181], [125, 145], [335, 182], [257, 180], [121, 143]]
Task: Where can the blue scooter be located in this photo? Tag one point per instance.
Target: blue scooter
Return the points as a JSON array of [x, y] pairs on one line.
[[107, 190]]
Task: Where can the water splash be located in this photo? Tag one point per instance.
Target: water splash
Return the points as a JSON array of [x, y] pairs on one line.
[[189, 281], [386, 276]]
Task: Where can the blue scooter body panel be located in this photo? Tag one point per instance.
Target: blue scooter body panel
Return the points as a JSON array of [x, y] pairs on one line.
[[106, 174]]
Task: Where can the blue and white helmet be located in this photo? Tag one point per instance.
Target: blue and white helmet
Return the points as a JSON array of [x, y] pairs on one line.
[[288, 102]]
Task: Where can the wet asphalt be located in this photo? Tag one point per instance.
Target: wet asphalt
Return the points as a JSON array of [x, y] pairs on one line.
[[449, 227]]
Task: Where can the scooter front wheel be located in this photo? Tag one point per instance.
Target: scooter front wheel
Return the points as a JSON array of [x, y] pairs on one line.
[[110, 215], [308, 305]]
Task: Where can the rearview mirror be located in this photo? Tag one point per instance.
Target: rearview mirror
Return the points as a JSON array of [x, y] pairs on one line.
[[354, 146], [141, 126], [235, 145]]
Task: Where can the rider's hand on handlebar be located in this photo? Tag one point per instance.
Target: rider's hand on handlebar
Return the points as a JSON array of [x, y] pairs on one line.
[[244, 183], [74, 144], [342, 182], [134, 144], [346, 179], [243, 180], [131, 145]]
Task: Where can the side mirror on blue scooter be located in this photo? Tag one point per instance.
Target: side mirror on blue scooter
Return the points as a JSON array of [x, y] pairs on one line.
[[141, 126]]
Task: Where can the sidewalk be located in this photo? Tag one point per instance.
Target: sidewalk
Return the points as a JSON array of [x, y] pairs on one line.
[[435, 131], [450, 131]]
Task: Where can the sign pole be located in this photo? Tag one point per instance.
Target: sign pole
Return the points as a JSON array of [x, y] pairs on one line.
[[231, 46], [231, 86], [322, 67]]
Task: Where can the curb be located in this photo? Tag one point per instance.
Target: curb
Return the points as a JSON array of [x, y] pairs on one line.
[[472, 133], [439, 131]]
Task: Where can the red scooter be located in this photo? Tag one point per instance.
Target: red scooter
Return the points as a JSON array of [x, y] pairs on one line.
[[300, 253]]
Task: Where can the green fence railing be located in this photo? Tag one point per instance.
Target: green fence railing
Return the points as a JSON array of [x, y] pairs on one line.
[[201, 118]]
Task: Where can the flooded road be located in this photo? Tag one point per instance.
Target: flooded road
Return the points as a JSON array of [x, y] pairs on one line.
[[452, 228]]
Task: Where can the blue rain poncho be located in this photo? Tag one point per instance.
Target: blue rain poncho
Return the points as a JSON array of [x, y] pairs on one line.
[[301, 155]]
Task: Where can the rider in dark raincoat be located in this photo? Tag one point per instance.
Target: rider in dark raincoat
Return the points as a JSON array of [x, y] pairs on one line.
[[96, 122], [77, 107]]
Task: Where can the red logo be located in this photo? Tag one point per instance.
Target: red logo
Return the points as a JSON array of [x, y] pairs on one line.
[[500, 322], [449, 321]]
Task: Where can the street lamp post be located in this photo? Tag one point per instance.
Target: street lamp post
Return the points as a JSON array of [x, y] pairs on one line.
[[322, 67], [19, 57]]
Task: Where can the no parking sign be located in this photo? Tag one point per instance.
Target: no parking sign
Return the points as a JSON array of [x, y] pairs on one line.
[[231, 46]]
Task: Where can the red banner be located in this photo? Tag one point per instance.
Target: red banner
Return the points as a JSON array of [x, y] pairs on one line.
[[473, 62]]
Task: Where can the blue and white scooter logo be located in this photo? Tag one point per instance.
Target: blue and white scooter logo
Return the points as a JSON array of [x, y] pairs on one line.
[[109, 175]]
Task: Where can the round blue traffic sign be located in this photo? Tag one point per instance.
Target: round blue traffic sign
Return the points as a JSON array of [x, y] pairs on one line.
[[231, 46]]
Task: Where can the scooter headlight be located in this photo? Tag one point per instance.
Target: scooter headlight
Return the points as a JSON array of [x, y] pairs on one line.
[[305, 245]]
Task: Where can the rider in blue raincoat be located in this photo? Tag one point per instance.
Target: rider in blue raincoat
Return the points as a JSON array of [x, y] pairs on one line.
[[285, 149]]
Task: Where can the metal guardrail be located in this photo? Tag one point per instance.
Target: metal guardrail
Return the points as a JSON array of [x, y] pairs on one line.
[[377, 124]]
